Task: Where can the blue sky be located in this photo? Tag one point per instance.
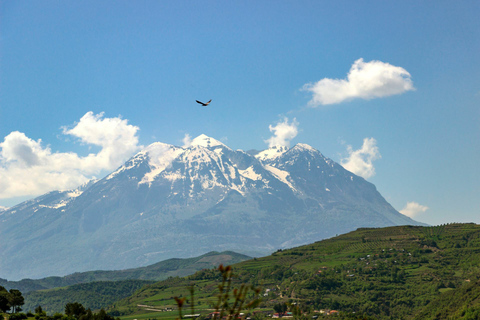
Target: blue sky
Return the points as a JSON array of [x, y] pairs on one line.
[[78, 75]]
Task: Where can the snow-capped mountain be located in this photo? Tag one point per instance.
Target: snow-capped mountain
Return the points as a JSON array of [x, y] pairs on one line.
[[271, 153], [170, 201]]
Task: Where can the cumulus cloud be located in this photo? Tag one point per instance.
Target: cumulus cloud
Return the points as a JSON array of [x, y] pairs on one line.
[[360, 161], [29, 168], [412, 209], [365, 80], [187, 140], [283, 132]]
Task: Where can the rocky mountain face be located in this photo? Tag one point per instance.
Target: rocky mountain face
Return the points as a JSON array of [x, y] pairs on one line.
[[169, 201]]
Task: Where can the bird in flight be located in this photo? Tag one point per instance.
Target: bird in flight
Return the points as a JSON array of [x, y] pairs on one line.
[[204, 104]]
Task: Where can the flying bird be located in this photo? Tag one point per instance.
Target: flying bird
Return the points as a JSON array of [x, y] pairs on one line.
[[204, 104]]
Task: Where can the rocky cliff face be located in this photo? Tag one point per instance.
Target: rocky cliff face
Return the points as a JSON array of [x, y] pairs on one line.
[[170, 201]]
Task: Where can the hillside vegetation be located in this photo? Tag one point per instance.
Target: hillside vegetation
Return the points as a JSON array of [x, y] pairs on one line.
[[389, 273], [94, 295], [158, 271], [100, 289]]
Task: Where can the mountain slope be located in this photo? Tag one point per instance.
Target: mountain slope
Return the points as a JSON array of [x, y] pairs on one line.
[[170, 201]]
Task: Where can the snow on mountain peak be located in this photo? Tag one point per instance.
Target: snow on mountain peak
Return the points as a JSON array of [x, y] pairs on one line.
[[304, 146], [205, 141], [206, 150], [271, 153]]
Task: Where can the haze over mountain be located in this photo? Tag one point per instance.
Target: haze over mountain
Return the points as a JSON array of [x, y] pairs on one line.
[[169, 201]]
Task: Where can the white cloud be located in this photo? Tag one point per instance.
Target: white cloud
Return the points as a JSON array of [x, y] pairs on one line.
[[283, 132], [365, 80], [187, 140], [27, 168], [412, 209], [115, 136], [360, 161]]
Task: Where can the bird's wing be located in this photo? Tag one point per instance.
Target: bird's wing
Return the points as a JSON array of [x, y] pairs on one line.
[[200, 102], [209, 101]]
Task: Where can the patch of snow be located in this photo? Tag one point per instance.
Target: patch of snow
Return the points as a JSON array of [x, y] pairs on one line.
[[207, 184], [233, 174], [205, 141], [139, 157], [271, 153], [61, 204], [221, 199], [304, 146], [172, 176], [239, 190], [160, 157], [280, 175], [249, 173], [74, 193], [195, 155]]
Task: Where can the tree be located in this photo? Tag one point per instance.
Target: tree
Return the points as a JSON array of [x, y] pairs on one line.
[[75, 309], [87, 316], [280, 308], [102, 315], [39, 310], [16, 300], [4, 303]]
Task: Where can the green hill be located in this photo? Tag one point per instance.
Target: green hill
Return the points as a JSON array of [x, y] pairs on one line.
[[158, 271], [398, 272], [93, 295]]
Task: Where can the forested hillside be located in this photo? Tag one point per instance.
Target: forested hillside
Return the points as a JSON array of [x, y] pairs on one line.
[[94, 295], [158, 271]]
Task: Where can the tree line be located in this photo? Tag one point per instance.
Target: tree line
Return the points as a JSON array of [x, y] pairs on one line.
[[12, 301]]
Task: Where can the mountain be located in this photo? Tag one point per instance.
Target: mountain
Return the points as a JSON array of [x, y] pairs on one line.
[[169, 201], [155, 272], [402, 272]]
